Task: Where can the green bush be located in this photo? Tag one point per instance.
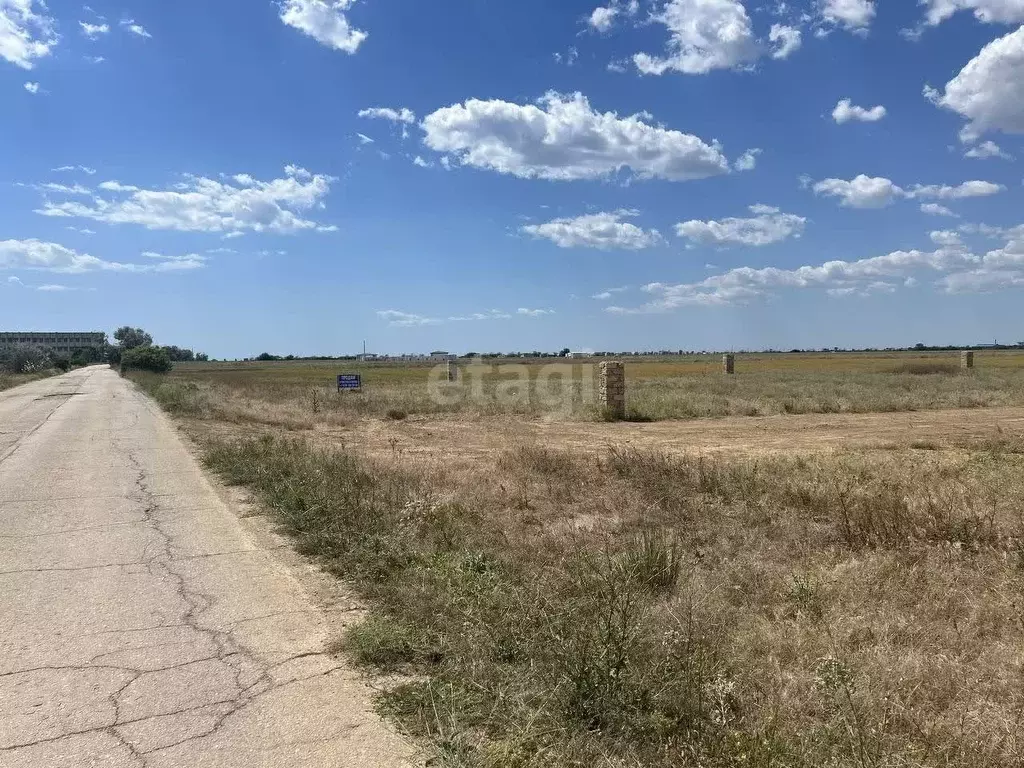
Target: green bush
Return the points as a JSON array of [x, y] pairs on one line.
[[152, 359]]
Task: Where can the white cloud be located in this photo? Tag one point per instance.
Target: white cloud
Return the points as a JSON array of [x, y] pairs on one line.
[[947, 192], [747, 161], [744, 284], [786, 40], [934, 209], [95, 59], [989, 90], [176, 263], [402, 115], [419, 161], [846, 111], [94, 31], [564, 139], [867, 192], [14, 280], [32, 88], [134, 28], [491, 314], [605, 295], [853, 15], [597, 230], [53, 288], [405, 319], [860, 192], [986, 150], [116, 186], [26, 32], [704, 35], [768, 225], [82, 168], [364, 139], [325, 22], [205, 205], [988, 11], [602, 19], [64, 189], [534, 312], [52, 257]]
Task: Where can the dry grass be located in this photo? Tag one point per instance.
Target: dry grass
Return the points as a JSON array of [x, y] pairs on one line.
[[632, 608], [299, 395], [640, 609], [9, 380]]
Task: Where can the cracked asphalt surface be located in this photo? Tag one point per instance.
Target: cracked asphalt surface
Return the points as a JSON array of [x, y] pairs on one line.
[[140, 622]]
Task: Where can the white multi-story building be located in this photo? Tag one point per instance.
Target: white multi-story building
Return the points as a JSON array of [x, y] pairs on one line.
[[59, 341]]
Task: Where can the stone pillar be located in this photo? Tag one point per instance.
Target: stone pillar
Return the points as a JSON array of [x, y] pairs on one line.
[[612, 389], [966, 360], [452, 371], [729, 364]]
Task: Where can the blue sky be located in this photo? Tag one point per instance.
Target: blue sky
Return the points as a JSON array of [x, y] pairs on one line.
[[242, 176]]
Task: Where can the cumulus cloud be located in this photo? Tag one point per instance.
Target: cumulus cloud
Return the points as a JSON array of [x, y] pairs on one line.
[[747, 161], [26, 32], [52, 257], [860, 192], [989, 90], [959, 192], [534, 312], [986, 150], [200, 204], [94, 31], [606, 231], [954, 267], [853, 15], [768, 225], [704, 35], [32, 88], [602, 19], [562, 138], [325, 21], [934, 209], [988, 11], [878, 192], [846, 111], [402, 115], [785, 39]]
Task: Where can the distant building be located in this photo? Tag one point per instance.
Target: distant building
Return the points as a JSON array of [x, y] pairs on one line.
[[59, 341], [441, 357]]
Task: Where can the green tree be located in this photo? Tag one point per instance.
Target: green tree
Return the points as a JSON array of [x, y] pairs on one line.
[[146, 358], [130, 338]]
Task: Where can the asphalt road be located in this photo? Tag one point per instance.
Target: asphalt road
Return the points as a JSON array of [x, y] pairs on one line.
[[141, 622]]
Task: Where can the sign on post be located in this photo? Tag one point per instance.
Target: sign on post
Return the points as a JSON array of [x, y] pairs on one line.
[[350, 382]]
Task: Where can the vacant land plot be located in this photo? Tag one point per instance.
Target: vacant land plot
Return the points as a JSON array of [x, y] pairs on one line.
[[301, 394], [798, 590]]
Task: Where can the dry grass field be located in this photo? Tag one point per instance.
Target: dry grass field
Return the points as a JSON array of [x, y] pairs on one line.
[[839, 582], [8, 380]]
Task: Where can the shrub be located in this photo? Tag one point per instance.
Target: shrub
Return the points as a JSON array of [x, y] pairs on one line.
[[152, 359], [927, 368], [24, 358]]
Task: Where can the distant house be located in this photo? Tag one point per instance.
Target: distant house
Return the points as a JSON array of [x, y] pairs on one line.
[[441, 357]]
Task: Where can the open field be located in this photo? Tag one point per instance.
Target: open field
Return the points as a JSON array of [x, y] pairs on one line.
[[301, 394], [837, 589]]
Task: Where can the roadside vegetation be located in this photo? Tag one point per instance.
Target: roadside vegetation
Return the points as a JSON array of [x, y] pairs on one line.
[[640, 609], [633, 608]]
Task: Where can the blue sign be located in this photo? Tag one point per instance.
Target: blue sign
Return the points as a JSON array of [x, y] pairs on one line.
[[349, 381]]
